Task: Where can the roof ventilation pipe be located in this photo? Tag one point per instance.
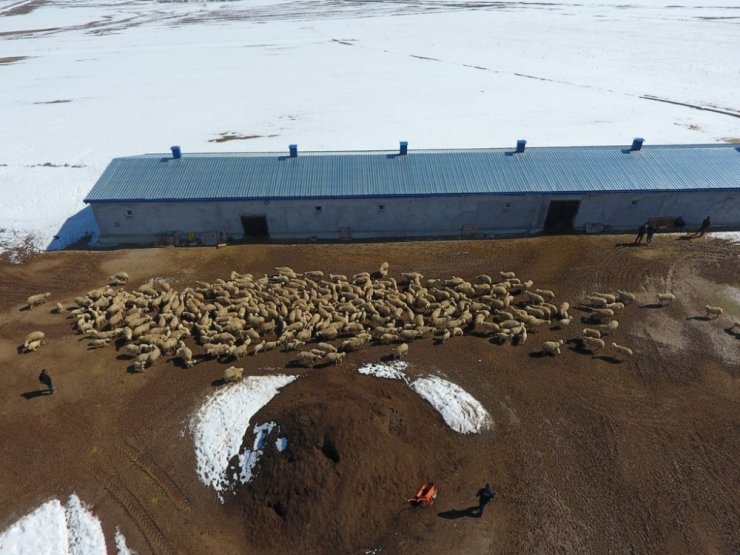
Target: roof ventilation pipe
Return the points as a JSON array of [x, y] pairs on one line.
[[293, 151], [636, 144], [404, 148], [176, 152], [520, 144]]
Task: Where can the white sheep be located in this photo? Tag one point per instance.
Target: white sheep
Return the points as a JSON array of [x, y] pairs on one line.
[[33, 345], [233, 374], [549, 295], [666, 298], [535, 298], [625, 296], [185, 353], [602, 313], [307, 358], [335, 357], [608, 296], [58, 309], [590, 332], [98, 343], [593, 344], [507, 275], [595, 301], [558, 324], [621, 350], [563, 311], [34, 336], [383, 270], [35, 300], [401, 351], [552, 347], [715, 311]]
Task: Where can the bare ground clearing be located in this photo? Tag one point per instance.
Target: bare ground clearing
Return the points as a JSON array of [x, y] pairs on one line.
[[587, 454]]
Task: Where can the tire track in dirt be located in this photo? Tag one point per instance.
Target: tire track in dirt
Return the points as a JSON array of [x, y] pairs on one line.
[[141, 517], [157, 474]]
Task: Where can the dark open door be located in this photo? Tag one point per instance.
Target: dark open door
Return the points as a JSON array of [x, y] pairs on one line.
[[560, 216], [255, 227]]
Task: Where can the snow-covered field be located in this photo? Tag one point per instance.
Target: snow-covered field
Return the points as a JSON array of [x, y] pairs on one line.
[[53, 529], [84, 81]]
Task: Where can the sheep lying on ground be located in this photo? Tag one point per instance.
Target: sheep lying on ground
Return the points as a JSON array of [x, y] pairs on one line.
[[233, 374], [621, 350], [666, 298], [307, 358], [715, 311], [98, 343], [401, 351], [58, 309], [34, 336], [35, 300], [552, 347]]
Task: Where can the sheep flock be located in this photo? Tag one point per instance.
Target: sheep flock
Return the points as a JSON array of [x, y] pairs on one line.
[[323, 317]]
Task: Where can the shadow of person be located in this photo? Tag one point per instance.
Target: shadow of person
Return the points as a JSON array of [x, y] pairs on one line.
[[454, 514], [627, 245], [28, 395]]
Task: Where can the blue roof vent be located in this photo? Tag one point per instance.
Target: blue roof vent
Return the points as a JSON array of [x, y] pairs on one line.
[[520, 144], [176, 152], [293, 151], [404, 148], [636, 144]]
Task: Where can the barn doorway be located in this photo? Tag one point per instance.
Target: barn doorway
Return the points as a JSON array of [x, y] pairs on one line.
[[255, 227], [560, 216]]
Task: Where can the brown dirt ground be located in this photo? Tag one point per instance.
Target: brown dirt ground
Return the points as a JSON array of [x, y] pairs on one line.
[[587, 454]]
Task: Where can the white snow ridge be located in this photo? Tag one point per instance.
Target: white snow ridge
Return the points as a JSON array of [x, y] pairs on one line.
[[459, 409], [53, 529], [219, 425]]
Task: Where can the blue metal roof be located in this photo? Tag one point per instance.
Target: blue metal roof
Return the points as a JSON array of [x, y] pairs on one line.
[[241, 176]]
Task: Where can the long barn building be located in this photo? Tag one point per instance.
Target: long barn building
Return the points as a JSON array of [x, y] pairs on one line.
[[184, 198]]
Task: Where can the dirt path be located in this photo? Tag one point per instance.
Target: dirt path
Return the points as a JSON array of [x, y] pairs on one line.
[[588, 454]]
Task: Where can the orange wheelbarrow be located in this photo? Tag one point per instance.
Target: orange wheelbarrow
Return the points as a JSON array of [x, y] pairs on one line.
[[425, 496]]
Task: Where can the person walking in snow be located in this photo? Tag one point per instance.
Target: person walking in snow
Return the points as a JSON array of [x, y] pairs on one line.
[[485, 496], [45, 379]]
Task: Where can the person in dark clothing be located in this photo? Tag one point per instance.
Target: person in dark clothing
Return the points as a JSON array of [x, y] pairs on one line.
[[45, 379], [650, 233], [704, 226], [485, 496], [640, 233]]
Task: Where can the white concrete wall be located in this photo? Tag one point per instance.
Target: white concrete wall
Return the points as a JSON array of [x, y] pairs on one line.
[[487, 215]]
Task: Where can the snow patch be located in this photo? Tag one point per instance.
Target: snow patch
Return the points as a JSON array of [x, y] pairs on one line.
[[390, 370], [219, 425], [85, 531], [53, 529], [281, 443], [731, 236], [460, 410], [248, 460], [121, 546]]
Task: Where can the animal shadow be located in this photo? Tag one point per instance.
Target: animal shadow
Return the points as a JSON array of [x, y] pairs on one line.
[[218, 382], [609, 359], [537, 354], [700, 318], [387, 358], [28, 395], [651, 305], [454, 514], [627, 245]]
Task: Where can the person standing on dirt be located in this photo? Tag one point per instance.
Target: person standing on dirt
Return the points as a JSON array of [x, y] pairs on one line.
[[485, 496], [650, 233], [704, 226], [45, 379], [640, 233]]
